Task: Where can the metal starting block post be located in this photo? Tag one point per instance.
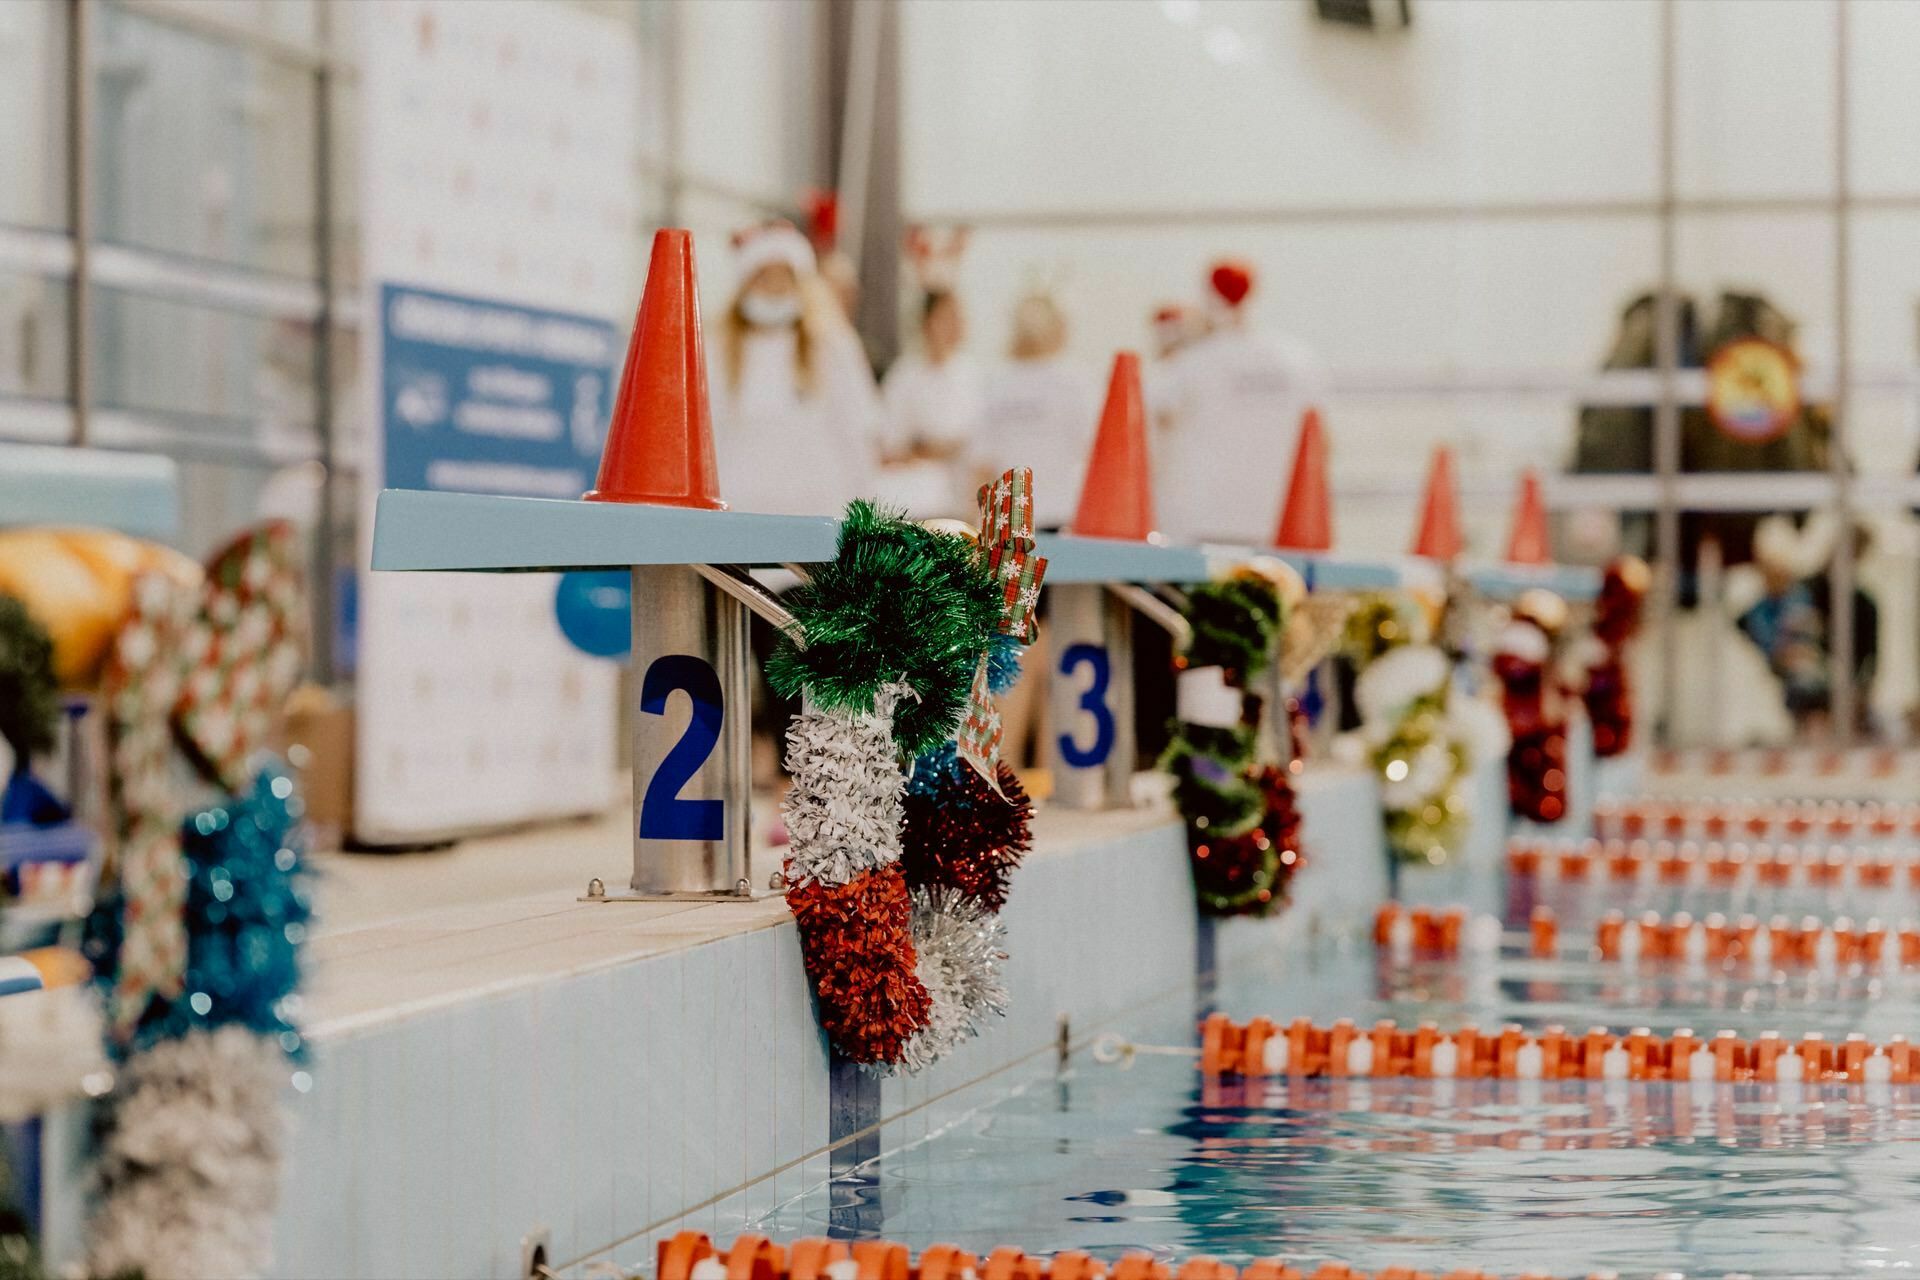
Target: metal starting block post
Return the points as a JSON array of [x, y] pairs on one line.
[[692, 683], [1093, 594]]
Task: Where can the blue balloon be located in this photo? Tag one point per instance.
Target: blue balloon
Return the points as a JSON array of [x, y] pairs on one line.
[[595, 610]]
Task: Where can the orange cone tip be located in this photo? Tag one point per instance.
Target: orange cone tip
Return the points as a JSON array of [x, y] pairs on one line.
[[659, 445], [1438, 536], [1116, 499], [1306, 519], [1529, 543]]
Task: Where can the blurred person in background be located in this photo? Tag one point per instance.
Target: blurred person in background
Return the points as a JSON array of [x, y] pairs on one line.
[[1174, 325], [1041, 412], [794, 407], [934, 395], [1792, 622], [1236, 399]]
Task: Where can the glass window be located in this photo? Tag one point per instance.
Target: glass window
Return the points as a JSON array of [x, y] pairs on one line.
[[33, 338], [230, 381], [201, 149], [33, 113]]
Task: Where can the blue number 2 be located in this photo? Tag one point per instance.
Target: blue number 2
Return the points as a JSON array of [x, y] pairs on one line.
[[663, 814], [1093, 702]]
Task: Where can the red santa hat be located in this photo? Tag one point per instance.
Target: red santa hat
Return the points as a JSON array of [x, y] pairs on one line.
[[770, 243], [823, 218], [1231, 280]]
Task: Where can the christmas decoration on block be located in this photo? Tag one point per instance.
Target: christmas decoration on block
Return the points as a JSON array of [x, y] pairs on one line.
[[896, 879], [1537, 784], [197, 936], [1262, 1048], [1416, 731], [691, 1255], [1616, 618], [1241, 813]]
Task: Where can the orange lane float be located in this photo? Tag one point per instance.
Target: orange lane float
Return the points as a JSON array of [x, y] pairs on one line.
[[1261, 1048], [1713, 862], [690, 1255], [1445, 932], [1643, 817], [1778, 943]]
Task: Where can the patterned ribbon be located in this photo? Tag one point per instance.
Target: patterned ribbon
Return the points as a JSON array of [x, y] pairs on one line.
[[205, 674], [1006, 541]]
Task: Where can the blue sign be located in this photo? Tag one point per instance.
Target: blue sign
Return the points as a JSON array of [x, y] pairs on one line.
[[488, 397]]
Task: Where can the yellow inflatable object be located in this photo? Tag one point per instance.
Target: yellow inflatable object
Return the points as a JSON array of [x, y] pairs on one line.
[[78, 584]]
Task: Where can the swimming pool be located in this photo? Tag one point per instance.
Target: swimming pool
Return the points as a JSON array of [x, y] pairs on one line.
[[1570, 1177]]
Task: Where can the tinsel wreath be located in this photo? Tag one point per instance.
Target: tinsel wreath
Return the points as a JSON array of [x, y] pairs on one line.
[[892, 632], [189, 1170], [899, 603], [958, 834], [1537, 759], [1616, 617], [1241, 817], [959, 846]]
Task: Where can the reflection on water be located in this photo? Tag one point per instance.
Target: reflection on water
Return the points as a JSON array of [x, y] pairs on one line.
[[1506, 1176]]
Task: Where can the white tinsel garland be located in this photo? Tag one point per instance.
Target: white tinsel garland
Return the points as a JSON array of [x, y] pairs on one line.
[[961, 948], [843, 811], [190, 1171]]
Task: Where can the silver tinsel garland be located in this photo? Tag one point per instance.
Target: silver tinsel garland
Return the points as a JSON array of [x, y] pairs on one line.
[[961, 948], [843, 812], [190, 1171]]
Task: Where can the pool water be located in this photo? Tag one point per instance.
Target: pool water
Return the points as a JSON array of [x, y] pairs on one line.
[[1569, 1177]]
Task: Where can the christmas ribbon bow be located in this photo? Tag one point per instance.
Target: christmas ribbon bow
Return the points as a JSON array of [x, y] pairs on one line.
[[1006, 540], [1006, 543], [203, 674]]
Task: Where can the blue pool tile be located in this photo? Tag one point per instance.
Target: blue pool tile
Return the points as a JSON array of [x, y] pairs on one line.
[[558, 1011], [472, 1155], [386, 1222], [624, 1085], [697, 1074], [668, 1060], [596, 1078], [734, 1074], [760, 1089], [513, 1031]]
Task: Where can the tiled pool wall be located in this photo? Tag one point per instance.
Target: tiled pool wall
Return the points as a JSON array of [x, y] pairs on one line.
[[693, 1088]]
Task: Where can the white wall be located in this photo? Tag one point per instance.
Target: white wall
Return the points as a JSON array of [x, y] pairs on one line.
[[1121, 146]]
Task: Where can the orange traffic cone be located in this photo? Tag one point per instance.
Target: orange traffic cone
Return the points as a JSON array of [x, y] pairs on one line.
[[1116, 500], [1306, 521], [659, 445], [1438, 536], [1529, 543]]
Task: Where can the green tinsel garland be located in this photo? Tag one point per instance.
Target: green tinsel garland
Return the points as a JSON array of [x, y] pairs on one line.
[[1236, 623], [1427, 831], [29, 694], [1211, 786], [1374, 626], [898, 603]]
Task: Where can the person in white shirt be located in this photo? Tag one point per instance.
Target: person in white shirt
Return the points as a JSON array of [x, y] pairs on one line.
[[1041, 412], [934, 398], [1236, 397], [794, 405]]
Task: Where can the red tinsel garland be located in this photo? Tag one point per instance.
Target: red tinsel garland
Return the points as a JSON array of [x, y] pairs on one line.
[[855, 941], [962, 836], [1608, 695], [1537, 762]]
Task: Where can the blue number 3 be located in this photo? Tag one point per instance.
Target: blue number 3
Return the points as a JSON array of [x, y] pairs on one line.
[[663, 814], [1093, 702]]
